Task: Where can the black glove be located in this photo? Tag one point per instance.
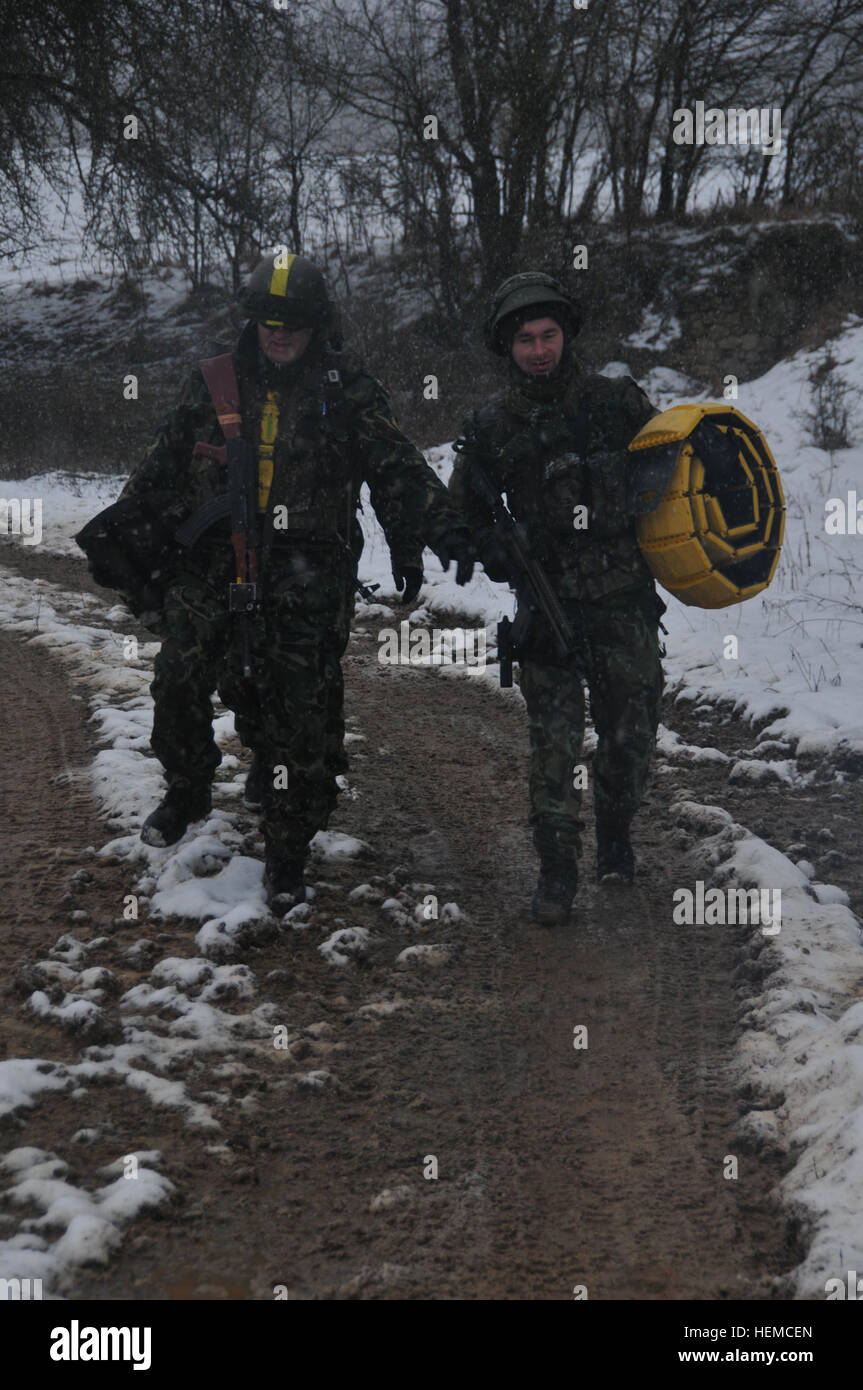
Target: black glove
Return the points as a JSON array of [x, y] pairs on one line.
[[409, 576], [456, 545]]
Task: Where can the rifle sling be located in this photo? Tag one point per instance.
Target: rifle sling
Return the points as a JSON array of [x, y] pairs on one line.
[[221, 377]]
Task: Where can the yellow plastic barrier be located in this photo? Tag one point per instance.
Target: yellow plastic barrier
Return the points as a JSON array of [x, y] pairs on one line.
[[714, 536]]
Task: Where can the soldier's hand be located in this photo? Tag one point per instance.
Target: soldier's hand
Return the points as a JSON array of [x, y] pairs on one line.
[[457, 545], [409, 577]]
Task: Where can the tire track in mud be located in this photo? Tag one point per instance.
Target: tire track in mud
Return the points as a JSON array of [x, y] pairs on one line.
[[604, 1166], [557, 1167], [48, 819], [42, 739]]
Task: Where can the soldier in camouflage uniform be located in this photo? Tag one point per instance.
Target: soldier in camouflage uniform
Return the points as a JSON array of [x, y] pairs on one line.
[[315, 443], [554, 442]]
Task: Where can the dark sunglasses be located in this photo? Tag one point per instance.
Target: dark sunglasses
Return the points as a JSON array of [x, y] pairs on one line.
[[290, 325]]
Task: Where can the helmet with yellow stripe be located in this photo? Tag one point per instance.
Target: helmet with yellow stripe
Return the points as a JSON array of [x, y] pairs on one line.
[[286, 290]]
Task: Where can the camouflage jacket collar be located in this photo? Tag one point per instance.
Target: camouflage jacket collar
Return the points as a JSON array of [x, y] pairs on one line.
[[565, 389]]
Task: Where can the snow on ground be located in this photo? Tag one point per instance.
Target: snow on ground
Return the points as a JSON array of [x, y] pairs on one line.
[[802, 1049], [62, 256], [90, 1222], [205, 1007], [68, 501], [204, 877], [799, 668], [800, 644]]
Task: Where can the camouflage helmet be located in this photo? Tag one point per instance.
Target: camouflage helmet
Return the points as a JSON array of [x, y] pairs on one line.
[[530, 289], [286, 290]]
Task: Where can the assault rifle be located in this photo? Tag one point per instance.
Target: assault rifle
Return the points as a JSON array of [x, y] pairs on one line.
[[244, 593], [240, 502], [533, 591]]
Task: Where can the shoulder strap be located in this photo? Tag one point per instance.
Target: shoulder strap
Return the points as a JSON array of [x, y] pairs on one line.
[[221, 378]]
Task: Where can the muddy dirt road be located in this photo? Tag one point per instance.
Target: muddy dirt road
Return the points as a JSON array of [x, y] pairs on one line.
[[557, 1165]]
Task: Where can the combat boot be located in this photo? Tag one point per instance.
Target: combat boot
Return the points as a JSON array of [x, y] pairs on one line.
[[253, 793], [182, 805], [552, 901], [283, 884], [615, 861]]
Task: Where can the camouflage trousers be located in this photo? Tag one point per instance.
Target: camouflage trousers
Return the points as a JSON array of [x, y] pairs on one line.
[[619, 656], [291, 710]]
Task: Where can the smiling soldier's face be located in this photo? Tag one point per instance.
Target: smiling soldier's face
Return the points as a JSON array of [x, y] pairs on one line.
[[537, 346]]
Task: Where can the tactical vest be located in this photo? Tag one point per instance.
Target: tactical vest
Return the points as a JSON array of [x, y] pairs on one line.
[[565, 478], [309, 477]]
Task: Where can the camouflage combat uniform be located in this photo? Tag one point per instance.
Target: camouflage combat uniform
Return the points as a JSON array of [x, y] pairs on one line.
[[552, 447], [322, 449]]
